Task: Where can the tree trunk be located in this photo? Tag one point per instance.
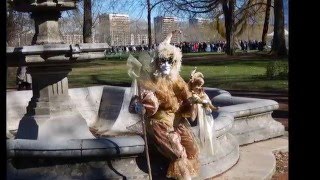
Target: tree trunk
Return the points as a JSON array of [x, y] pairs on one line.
[[279, 42], [149, 24], [87, 22], [10, 27], [266, 22], [228, 11]]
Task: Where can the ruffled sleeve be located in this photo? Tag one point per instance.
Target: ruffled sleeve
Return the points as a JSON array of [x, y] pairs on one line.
[[182, 92], [150, 102]]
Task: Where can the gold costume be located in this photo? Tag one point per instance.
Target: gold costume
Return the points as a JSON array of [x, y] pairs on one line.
[[167, 109], [166, 98]]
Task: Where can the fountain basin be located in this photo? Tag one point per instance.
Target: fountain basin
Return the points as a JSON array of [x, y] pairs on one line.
[[34, 5], [55, 54], [111, 155], [78, 158], [253, 119], [77, 148], [105, 109]]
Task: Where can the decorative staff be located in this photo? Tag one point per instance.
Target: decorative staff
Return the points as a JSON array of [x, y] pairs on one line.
[[134, 71]]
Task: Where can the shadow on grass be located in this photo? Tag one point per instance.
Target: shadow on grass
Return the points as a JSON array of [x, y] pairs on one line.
[[96, 80], [100, 62], [239, 78], [208, 62]]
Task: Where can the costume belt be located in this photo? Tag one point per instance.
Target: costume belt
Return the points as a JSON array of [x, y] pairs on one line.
[[164, 116]]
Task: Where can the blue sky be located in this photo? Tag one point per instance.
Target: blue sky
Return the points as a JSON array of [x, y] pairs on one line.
[[133, 8], [137, 11]]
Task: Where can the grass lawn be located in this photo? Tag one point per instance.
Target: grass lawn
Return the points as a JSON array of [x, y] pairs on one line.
[[235, 74]]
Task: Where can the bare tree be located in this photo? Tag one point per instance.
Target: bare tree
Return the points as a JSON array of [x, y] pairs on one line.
[[279, 43], [150, 7], [237, 15], [87, 21], [235, 18], [206, 6], [228, 11], [18, 25], [80, 18], [11, 28], [248, 13], [266, 22]]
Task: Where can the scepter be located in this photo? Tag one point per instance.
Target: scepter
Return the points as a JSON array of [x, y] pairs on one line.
[[134, 72], [145, 134]]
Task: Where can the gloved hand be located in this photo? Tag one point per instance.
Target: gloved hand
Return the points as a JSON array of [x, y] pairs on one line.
[[195, 100], [136, 106], [208, 111], [139, 108], [208, 107], [205, 102]]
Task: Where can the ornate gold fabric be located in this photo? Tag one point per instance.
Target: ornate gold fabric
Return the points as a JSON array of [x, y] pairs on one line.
[[168, 127], [207, 134]]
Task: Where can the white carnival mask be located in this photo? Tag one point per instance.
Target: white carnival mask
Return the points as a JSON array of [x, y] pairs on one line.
[[165, 65]]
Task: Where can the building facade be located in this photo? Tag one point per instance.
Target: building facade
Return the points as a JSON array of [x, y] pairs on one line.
[[141, 39], [163, 26], [73, 38], [199, 22], [114, 29]]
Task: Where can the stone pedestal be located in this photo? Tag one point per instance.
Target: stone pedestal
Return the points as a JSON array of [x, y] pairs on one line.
[[50, 91], [51, 114], [46, 27]]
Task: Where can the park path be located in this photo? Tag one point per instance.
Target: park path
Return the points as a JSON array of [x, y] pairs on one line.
[[280, 115]]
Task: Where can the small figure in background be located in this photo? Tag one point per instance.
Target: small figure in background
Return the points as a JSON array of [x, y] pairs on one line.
[[24, 80], [207, 135]]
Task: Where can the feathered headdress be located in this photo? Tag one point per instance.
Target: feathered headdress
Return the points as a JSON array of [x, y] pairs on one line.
[[166, 50], [196, 79]]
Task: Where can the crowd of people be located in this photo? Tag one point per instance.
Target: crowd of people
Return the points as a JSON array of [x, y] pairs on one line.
[[219, 46], [193, 47], [252, 45], [188, 47]]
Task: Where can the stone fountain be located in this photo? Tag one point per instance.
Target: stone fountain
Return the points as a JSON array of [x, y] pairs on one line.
[[48, 127], [49, 61]]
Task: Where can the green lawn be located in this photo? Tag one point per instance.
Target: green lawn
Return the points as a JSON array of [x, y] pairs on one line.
[[236, 76], [233, 74]]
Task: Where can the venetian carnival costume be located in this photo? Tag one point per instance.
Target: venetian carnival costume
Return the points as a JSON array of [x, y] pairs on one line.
[[166, 99], [207, 135]]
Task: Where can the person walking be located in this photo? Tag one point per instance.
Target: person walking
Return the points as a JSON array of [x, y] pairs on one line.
[[23, 79]]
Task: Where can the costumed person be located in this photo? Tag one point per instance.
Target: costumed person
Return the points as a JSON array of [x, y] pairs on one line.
[[23, 78], [206, 136], [165, 96]]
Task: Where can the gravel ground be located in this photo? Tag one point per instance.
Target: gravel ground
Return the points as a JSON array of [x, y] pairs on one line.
[[281, 166]]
